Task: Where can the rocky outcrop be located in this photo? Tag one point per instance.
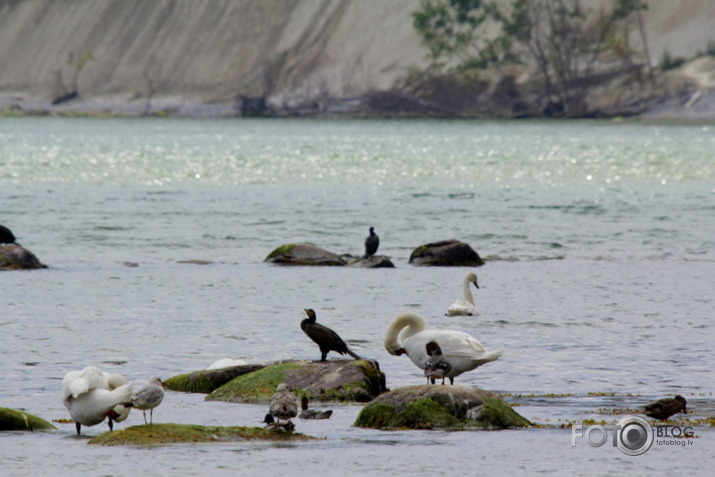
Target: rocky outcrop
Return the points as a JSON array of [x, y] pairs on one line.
[[206, 381], [338, 380], [447, 253], [439, 407], [17, 257], [303, 254], [163, 434], [374, 261], [12, 420]]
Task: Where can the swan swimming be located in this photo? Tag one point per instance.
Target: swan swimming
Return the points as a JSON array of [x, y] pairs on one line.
[[89, 398], [407, 335], [147, 397], [466, 306]]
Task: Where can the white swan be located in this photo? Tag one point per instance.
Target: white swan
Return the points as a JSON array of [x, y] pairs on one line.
[[466, 306], [88, 397], [407, 335], [148, 396]]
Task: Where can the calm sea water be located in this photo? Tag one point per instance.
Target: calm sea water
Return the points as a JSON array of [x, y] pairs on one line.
[[599, 284]]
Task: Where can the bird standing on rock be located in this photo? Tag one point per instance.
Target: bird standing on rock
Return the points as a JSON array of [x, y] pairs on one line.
[[284, 404], [372, 242], [326, 339], [148, 397], [6, 235], [664, 408], [437, 366]]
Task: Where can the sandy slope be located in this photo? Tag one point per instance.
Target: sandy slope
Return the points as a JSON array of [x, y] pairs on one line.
[[138, 54]]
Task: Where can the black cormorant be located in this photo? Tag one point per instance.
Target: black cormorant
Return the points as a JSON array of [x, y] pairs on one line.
[[372, 242], [6, 235], [326, 339]]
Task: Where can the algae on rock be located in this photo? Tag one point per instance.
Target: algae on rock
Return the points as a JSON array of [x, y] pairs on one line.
[[333, 380], [439, 407], [12, 420], [163, 434], [206, 381]]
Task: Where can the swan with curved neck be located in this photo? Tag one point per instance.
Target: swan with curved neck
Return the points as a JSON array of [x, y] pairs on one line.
[[466, 306], [407, 335]]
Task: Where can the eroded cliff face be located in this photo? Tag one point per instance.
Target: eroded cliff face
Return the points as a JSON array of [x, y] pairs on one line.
[[139, 56], [203, 51]]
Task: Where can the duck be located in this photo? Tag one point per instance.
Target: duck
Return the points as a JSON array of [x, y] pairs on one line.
[[465, 307], [326, 339], [148, 396], [284, 404], [664, 408], [312, 413], [407, 335], [89, 398], [372, 242], [437, 366], [6, 235], [273, 424]]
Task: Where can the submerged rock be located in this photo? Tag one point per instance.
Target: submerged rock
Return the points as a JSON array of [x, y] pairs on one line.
[[447, 253], [374, 261], [303, 254], [17, 257], [332, 380], [12, 420], [163, 434], [439, 407], [206, 381]]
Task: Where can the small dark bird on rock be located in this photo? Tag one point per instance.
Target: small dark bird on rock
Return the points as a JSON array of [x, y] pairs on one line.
[[312, 413], [437, 366], [326, 339], [6, 235], [284, 404], [372, 242], [271, 422], [664, 408]]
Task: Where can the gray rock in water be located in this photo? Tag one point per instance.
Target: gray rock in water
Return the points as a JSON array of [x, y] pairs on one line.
[[447, 253], [303, 254], [439, 407], [373, 261], [17, 257]]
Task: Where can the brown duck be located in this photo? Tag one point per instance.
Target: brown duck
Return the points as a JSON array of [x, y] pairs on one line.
[[437, 366], [664, 408], [326, 339]]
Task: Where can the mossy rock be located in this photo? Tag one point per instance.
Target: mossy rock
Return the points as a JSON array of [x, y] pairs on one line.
[[206, 381], [164, 434], [439, 407], [447, 253], [303, 254], [12, 420], [17, 257], [340, 380]]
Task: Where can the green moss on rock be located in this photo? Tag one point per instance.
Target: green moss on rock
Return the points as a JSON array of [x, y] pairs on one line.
[[439, 407], [255, 387], [206, 381], [341, 380], [281, 251], [163, 434], [12, 420]]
